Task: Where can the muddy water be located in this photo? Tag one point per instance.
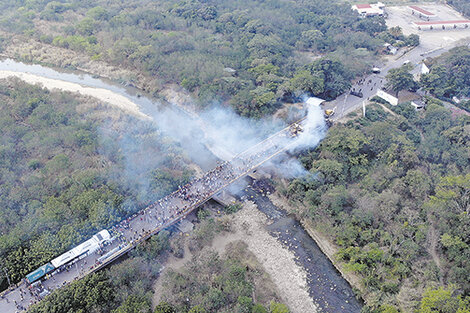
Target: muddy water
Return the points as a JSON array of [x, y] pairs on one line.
[[329, 290], [170, 119]]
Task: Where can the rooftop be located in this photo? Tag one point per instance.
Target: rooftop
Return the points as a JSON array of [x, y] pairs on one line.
[[422, 11], [369, 9]]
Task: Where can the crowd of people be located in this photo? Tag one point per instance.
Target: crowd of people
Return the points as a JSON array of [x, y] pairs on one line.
[[34, 297], [163, 213], [364, 83]]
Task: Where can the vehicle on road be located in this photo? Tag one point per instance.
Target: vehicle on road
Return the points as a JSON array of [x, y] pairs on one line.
[[80, 251], [295, 130], [356, 93], [329, 112]]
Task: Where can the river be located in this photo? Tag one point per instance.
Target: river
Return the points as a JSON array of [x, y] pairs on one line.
[[170, 119], [329, 290], [326, 285]]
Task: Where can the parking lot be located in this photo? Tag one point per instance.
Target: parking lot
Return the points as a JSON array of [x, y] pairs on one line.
[[430, 39]]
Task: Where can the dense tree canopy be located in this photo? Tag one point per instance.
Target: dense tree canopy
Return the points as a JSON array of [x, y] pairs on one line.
[[124, 288], [194, 42], [63, 178], [399, 79], [384, 187], [461, 5], [449, 75]]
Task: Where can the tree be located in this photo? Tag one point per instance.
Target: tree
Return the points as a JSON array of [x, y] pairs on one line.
[[412, 40], [399, 79], [442, 300], [435, 81], [453, 193], [386, 308], [258, 308], [305, 81], [164, 307], [310, 38], [197, 309], [86, 26], [450, 74], [331, 170], [372, 25], [93, 293], [244, 304], [396, 32], [135, 304], [276, 307], [98, 13]]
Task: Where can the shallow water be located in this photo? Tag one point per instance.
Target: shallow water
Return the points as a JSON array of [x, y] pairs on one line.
[[329, 290], [170, 119], [326, 285]]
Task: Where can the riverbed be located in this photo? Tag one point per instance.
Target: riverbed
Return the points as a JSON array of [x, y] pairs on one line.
[[172, 120], [329, 290], [325, 284]]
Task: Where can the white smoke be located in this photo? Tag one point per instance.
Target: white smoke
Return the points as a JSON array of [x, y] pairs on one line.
[[314, 128], [219, 132]]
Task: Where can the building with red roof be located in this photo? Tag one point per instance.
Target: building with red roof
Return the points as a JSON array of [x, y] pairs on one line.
[[442, 24], [422, 13], [367, 10]]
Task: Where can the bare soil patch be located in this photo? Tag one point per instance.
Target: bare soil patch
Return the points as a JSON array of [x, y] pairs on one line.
[[288, 279], [104, 95]]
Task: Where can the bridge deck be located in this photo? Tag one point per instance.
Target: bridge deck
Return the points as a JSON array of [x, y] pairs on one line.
[[153, 219]]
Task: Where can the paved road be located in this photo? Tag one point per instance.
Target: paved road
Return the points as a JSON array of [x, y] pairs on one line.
[[172, 208], [347, 103]]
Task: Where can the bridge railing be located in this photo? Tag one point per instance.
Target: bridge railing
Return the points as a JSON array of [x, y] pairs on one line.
[[186, 212], [244, 154]]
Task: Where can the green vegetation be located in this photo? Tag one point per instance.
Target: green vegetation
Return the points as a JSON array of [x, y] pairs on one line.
[[252, 55], [208, 283], [460, 5], [67, 170], [392, 191], [443, 300], [214, 283], [449, 75], [394, 36], [232, 208], [125, 288], [399, 79]]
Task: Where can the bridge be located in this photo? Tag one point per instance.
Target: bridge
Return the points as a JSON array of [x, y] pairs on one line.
[[158, 216]]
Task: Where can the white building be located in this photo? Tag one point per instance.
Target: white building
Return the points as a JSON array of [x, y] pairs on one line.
[[440, 25], [366, 10], [387, 97], [422, 13], [419, 70]]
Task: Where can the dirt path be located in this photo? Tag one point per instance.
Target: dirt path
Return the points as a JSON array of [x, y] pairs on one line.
[[432, 250], [387, 110]]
